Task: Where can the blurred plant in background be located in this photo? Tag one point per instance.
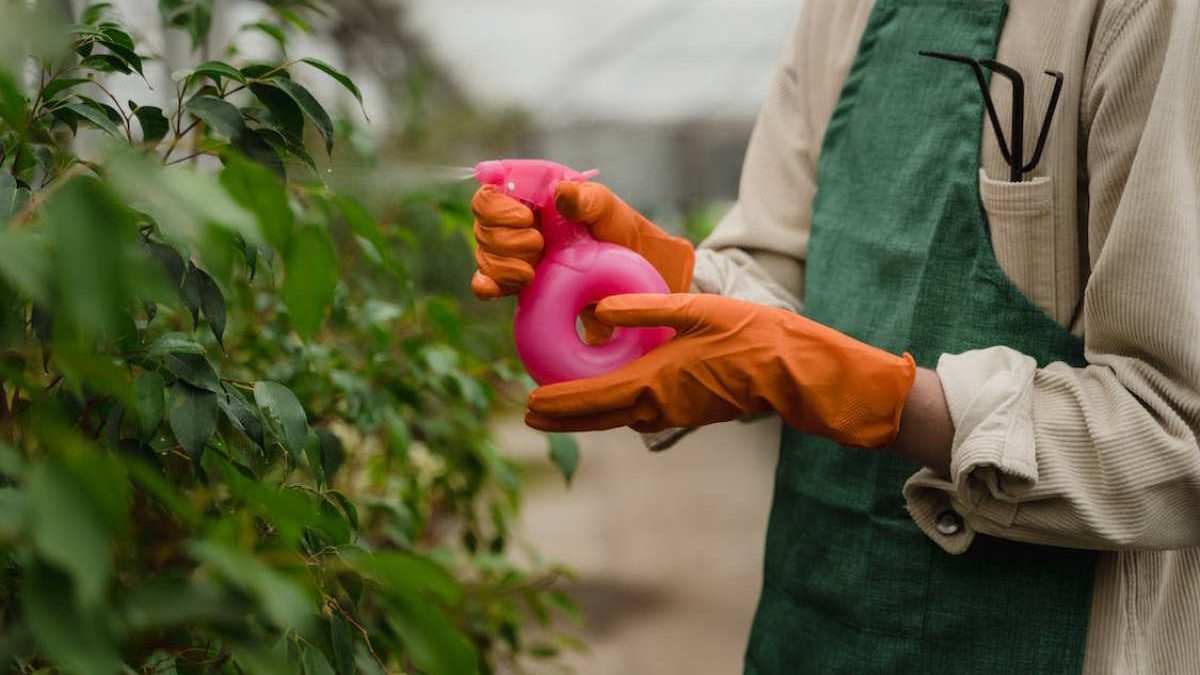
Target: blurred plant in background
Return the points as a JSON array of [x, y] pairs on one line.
[[699, 222], [242, 425]]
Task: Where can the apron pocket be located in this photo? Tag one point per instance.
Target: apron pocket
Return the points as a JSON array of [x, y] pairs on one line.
[[1021, 219]]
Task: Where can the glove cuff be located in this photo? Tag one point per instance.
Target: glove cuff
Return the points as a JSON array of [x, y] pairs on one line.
[[673, 257]]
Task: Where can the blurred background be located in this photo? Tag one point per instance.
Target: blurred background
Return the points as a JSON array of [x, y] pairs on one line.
[[661, 96]]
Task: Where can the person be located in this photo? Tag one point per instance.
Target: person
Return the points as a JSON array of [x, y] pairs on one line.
[[884, 283]]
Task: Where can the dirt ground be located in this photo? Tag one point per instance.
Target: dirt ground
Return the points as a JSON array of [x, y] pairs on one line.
[[668, 547]]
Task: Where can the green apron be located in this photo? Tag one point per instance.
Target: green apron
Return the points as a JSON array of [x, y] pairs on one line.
[[900, 257]]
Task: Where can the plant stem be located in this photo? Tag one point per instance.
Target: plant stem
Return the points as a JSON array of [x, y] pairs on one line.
[[120, 109], [178, 137], [181, 160], [39, 198], [261, 79]]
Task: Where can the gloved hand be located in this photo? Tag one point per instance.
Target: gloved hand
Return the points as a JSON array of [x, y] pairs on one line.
[[510, 246], [728, 360]]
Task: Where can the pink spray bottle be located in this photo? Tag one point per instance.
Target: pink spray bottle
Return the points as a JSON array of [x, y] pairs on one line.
[[576, 271]]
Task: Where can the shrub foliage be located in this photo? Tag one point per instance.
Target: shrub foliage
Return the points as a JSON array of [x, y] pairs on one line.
[[235, 436]]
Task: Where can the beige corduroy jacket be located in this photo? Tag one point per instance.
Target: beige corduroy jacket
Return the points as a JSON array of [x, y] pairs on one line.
[[1105, 239]]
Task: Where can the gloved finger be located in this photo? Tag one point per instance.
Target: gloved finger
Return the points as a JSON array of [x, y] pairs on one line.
[[589, 202], [485, 287], [505, 271], [648, 309], [608, 218], [617, 390], [495, 208], [598, 422], [595, 331], [524, 243]]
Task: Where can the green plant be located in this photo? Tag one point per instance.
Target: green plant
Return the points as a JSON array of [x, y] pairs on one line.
[[235, 435]]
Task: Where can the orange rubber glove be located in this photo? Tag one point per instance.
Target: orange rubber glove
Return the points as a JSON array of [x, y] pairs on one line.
[[510, 246], [731, 359]]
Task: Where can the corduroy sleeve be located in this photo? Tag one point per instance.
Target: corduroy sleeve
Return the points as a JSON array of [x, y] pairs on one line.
[[1105, 456]]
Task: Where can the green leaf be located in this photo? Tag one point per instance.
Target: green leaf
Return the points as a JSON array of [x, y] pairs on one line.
[[564, 452], [193, 416], [293, 513], [190, 291], [172, 263], [106, 63], [151, 481], [312, 277], [261, 193], [67, 118], [314, 662], [361, 222], [250, 253], [283, 415], [342, 639], [15, 642], [24, 261], [55, 87], [332, 454], [93, 235], [14, 513], [435, 646], [311, 107], [287, 145], [95, 12], [184, 203], [154, 123], [62, 630], [13, 198], [265, 71], [149, 402], [174, 343], [241, 414], [12, 464], [349, 510], [97, 117], [84, 31], [312, 451], [215, 70], [297, 21], [256, 147], [192, 16], [284, 603], [286, 115], [12, 101], [222, 116], [76, 509], [271, 31], [159, 663], [121, 51], [162, 604], [193, 369], [341, 78], [212, 301], [406, 575], [114, 33], [444, 314]]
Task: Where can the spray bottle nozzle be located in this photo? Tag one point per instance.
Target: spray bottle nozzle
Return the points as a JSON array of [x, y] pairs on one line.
[[530, 180], [490, 172]]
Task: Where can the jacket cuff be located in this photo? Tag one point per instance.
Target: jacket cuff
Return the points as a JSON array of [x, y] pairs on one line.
[[735, 273], [993, 462]]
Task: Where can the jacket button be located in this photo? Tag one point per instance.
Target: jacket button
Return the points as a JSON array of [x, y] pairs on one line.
[[949, 523]]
